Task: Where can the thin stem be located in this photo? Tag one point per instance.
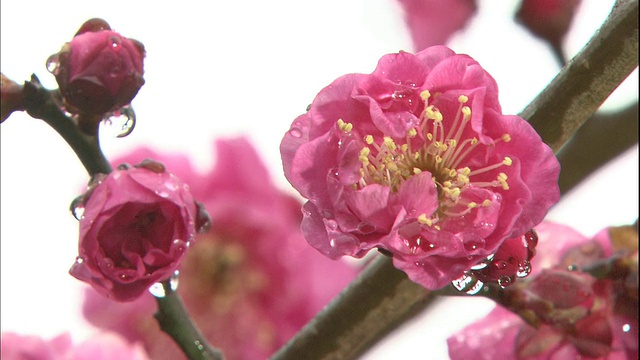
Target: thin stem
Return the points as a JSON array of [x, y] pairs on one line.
[[382, 297], [174, 320], [588, 79], [41, 104]]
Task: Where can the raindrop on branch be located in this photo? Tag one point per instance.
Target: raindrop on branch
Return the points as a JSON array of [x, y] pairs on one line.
[[120, 123]]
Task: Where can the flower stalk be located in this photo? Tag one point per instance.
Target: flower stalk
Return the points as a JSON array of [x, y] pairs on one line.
[[175, 321], [40, 103], [556, 114]]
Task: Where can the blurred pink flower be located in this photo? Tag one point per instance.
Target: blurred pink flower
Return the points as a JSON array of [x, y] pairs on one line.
[[418, 159], [99, 70], [134, 230], [433, 22], [548, 19], [578, 312], [251, 282], [101, 346]]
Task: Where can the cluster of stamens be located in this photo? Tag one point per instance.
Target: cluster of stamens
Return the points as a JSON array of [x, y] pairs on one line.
[[386, 162]]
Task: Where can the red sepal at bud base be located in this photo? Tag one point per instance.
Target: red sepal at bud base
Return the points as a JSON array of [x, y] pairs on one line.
[[11, 98], [99, 70]]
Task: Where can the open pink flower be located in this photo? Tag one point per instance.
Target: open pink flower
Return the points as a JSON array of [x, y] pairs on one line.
[[99, 70], [101, 346], [418, 159], [134, 230], [433, 22], [579, 315], [251, 282]]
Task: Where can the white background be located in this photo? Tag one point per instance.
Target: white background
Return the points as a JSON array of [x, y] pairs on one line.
[[247, 67]]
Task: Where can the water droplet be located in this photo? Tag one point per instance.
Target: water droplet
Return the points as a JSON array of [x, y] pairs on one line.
[[505, 281], [626, 327], [366, 228], [106, 263], [79, 260], [479, 266], [327, 214], [152, 165], [345, 244], [331, 225], [53, 64], [114, 41], [572, 268], [125, 276], [77, 207], [203, 219], [500, 264], [524, 269], [199, 345], [120, 123], [295, 132], [124, 166], [173, 281], [157, 290], [531, 237], [468, 283]]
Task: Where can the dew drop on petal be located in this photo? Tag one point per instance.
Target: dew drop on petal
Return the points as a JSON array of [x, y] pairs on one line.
[[120, 123], [173, 281], [479, 266], [157, 290], [500, 264], [345, 244], [524, 269], [468, 283], [77, 207], [296, 133], [366, 228], [53, 64], [505, 281], [626, 327], [114, 41], [331, 225]]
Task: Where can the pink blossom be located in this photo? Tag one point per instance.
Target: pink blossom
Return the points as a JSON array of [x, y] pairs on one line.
[[99, 70], [579, 314], [101, 346], [134, 230], [418, 159], [433, 22], [251, 282], [548, 19]]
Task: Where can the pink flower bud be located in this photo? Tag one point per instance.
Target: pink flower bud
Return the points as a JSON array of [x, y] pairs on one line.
[[548, 19], [134, 230], [99, 70]]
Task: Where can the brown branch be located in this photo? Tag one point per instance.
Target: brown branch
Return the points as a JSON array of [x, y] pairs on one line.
[[588, 79]]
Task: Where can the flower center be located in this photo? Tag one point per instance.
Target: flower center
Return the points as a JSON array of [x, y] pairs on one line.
[[440, 149]]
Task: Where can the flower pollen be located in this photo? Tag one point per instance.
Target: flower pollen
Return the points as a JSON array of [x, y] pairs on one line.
[[433, 146]]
